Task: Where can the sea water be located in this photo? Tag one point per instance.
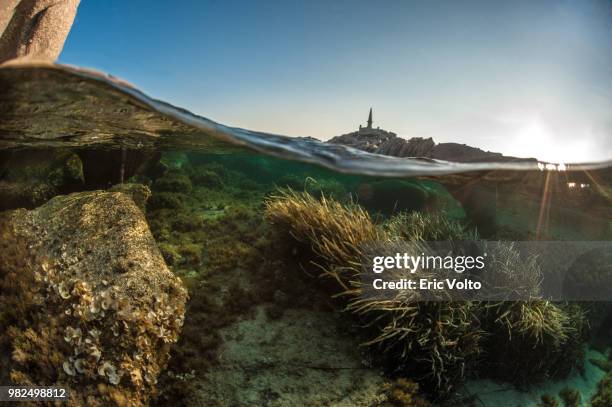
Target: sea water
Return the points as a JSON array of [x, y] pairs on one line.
[[261, 327]]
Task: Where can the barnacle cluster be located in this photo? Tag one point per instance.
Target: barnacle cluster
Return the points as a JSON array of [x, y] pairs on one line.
[[101, 336], [89, 309], [85, 331]]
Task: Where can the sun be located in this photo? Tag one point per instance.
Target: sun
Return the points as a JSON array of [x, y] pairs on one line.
[[537, 139]]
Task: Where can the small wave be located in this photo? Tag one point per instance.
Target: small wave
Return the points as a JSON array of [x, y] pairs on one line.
[[48, 106]]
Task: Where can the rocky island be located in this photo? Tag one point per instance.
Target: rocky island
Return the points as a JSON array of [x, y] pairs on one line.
[[379, 141]]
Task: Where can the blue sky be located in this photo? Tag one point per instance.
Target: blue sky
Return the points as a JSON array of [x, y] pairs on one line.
[[528, 78]]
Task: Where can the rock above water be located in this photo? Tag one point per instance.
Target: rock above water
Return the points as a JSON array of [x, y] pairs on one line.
[[365, 139], [86, 299], [399, 147], [387, 143], [35, 28]]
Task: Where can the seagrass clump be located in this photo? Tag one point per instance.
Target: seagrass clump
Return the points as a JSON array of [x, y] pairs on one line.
[[431, 341], [417, 226], [536, 322], [337, 234], [435, 342], [532, 341]]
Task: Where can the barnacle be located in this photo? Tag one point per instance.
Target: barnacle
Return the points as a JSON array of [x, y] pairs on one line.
[[149, 378], [73, 334], [63, 290], [79, 365], [106, 300], [108, 370], [94, 308], [96, 354], [69, 368], [136, 377], [94, 333]]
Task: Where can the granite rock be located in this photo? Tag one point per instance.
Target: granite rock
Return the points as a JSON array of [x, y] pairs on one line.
[[86, 299], [35, 29]]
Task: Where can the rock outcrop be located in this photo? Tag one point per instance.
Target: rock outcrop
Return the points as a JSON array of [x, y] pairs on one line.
[[387, 143], [365, 139], [464, 154], [35, 29], [86, 300], [399, 147], [139, 193]]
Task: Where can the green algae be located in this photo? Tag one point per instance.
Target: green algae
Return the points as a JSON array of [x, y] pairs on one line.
[[570, 397], [207, 214], [603, 397], [216, 239]]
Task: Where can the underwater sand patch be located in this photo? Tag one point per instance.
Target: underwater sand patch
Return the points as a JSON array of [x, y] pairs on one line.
[[302, 358]]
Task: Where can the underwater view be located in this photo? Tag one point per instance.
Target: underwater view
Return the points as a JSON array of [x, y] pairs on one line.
[[168, 260], [150, 256]]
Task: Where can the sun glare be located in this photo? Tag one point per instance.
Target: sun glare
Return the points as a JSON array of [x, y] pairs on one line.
[[537, 139]]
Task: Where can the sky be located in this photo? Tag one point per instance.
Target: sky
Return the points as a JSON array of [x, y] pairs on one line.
[[525, 78]]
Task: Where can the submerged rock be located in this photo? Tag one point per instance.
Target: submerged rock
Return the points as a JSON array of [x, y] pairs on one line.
[[86, 299], [139, 193], [30, 178]]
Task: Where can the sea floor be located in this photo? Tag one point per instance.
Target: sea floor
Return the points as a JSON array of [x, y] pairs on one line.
[[305, 358], [311, 358], [488, 393]]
